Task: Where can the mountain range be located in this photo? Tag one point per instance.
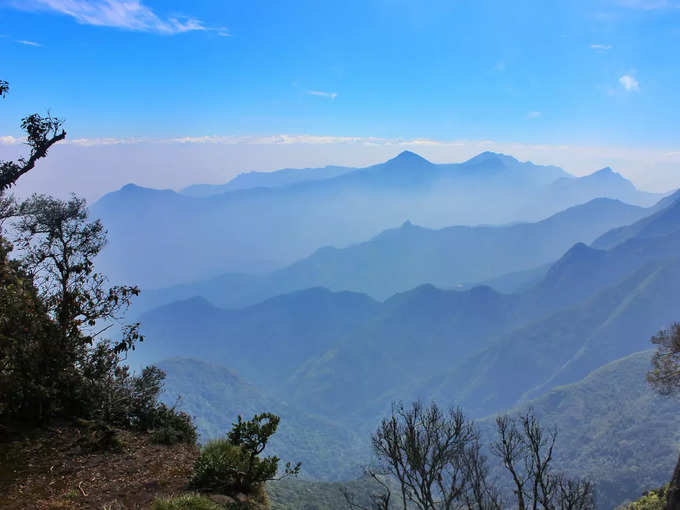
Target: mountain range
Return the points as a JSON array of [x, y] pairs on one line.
[[565, 307], [160, 238], [400, 259], [345, 354]]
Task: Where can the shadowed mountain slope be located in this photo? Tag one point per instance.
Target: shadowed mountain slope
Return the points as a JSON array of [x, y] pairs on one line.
[[666, 220], [345, 354], [400, 259]]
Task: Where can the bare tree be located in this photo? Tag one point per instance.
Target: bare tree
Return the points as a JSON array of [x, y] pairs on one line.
[[525, 449], [574, 494], [480, 494], [435, 457], [380, 500]]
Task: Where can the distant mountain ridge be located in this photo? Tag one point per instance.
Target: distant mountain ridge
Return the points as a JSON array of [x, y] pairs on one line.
[[488, 162], [162, 238], [399, 259], [664, 221], [277, 178]]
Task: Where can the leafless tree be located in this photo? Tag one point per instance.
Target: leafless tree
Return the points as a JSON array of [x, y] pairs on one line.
[[435, 457], [380, 500], [526, 449]]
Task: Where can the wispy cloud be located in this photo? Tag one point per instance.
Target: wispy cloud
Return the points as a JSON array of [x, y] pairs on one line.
[[158, 162], [534, 115], [601, 47], [123, 14], [320, 93], [29, 43], [629, 83]]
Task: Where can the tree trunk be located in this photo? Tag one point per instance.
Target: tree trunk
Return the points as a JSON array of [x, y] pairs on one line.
[[673, 495]]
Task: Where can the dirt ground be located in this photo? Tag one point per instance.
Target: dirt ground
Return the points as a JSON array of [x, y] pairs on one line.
[[55, 468]]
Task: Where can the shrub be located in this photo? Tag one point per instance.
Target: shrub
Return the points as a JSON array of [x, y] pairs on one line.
[[652, 500], [107, 393], [220, 468], [233, 465], [172, 427]]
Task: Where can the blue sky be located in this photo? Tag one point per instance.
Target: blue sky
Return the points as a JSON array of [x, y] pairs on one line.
[[585, 73]]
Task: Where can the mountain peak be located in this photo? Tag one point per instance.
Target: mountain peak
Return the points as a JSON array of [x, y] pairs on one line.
[[488, 156], [608, 175], [130, 187], [605, 171], [408, 157]]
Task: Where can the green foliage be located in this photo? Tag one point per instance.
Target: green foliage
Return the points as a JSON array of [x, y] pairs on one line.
[[253, 435], [233, 465], [29, 380], [172, 426], [52, 361], [186, 502], [664, 375], [220, 467], [652, 500], [41, 134]]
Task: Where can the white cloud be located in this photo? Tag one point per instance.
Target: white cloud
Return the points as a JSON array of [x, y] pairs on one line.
[[94, 166], [124, 14], [10, 140], [89, 142], [329, 95], [629, 83], [29, 43], [601, 47], [534, 115]]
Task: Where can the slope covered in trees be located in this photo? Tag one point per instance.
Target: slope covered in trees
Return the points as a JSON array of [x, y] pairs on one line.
[[343, 353], [612, 429]]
